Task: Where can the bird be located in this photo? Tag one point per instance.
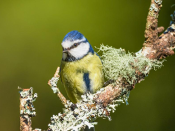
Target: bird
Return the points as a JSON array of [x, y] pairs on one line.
[[81, 67]]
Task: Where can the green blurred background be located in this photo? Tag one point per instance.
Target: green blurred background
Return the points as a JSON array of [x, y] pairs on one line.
[[31, 32]]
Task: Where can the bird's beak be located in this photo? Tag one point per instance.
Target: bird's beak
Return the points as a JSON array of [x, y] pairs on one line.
[[65, 51]]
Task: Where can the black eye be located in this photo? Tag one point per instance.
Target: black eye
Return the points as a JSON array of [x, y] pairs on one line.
[[75, 44]]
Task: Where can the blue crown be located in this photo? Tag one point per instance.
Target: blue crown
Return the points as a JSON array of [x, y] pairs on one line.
[[73, 35]]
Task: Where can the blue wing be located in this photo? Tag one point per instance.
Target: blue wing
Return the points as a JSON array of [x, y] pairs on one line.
[[87, 81]]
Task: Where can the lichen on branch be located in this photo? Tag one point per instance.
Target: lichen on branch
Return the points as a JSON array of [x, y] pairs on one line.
[[27, 109], [119, 64], [77, 116]]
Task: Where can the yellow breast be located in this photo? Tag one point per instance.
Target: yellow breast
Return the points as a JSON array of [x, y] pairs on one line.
[[72, 76]]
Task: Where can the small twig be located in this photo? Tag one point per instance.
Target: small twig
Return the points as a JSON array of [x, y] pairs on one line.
[[155, 46], [25, 120], [53, 84], [26, 108], [152, 30]]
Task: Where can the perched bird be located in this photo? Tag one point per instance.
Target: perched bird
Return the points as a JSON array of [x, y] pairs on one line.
[[81, 67]]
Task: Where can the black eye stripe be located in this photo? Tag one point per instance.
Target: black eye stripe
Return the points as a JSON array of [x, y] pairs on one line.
[[75, 45]]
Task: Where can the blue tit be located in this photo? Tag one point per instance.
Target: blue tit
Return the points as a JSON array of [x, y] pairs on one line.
[[81, 67]]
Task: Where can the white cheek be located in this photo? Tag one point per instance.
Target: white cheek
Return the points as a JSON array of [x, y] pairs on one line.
[[80, 50], [64, 56]]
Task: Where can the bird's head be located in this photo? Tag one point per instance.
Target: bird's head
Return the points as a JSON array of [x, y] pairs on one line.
[[75, 46]]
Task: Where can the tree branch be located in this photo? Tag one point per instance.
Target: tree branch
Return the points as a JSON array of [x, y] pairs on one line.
[[53, 84], [26, 108], [155, 47]]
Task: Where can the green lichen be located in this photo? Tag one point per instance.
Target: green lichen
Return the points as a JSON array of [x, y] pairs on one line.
[[119, 64]]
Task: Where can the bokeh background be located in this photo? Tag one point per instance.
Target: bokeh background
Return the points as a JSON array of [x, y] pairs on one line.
[[31, 32]]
